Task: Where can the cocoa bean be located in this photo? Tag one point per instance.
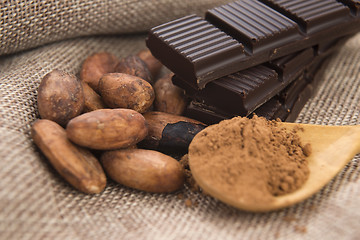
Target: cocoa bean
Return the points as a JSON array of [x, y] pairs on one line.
[[60, 97], [106, 129], [75, 164], [95, 66], [168, 97], [93, 100], [152, 63], [119, 90], [133, 65], [145, 170]]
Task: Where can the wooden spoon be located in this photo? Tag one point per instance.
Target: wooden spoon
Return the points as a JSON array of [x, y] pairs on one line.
[[332, 148]]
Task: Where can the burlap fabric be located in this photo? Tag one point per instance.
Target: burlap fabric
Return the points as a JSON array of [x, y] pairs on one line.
[[26, 24], [35, 203]]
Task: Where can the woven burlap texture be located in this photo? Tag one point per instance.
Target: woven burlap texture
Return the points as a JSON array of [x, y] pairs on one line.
[[35, 203], [25, 24]]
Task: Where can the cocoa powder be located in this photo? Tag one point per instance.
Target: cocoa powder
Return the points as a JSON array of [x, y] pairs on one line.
[[252, 159]]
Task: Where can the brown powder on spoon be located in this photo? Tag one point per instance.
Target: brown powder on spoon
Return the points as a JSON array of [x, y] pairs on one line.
[[250, 159]]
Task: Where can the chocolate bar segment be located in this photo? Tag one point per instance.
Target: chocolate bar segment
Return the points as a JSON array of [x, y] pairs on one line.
[[311, 15], [254, 24], [194, 48]]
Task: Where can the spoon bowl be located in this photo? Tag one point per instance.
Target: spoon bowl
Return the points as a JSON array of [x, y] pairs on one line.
[[332, 148]]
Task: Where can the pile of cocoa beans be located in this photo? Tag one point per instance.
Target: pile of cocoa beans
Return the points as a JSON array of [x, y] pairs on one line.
[[119, 108]]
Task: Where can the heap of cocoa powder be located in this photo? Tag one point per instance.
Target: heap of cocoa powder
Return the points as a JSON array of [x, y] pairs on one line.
[[252, 159]]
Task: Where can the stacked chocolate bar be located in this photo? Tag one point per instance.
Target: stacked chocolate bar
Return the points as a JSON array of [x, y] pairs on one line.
[[253, 56]]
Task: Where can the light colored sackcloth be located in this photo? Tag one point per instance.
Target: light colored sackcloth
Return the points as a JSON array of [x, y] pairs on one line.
[[25, 24], [35, 203]]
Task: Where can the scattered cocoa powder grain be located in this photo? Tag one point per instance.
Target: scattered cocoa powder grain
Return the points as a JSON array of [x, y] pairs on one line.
[[188, 202], [289, 218], [180, 196], [250, 160], [300, 229]]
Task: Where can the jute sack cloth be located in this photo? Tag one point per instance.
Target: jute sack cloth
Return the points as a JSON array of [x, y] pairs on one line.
[[35, 202]]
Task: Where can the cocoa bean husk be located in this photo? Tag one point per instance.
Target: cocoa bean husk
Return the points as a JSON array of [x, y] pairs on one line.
[[169, 132]]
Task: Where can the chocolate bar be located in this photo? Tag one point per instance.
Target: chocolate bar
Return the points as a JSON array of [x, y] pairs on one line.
[[290, 94], [199, 51], [242, 92], [285, 106]]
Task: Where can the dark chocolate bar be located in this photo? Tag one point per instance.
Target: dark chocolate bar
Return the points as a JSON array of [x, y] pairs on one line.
[[265, 30], [242, 92], [288, 103], [286, 106]]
